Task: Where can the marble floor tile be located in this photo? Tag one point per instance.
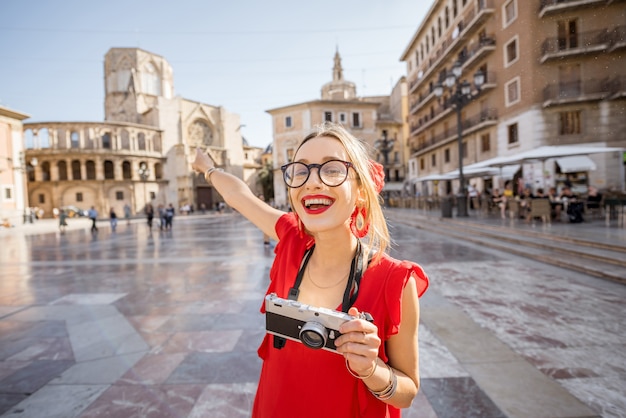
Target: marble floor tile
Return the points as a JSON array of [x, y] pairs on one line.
[[152, 369], [203, 341], [31, 378], [45, 349], [98, 372], [141, 401], [57, 401], [459, 397], [225, 368], [225, 401]]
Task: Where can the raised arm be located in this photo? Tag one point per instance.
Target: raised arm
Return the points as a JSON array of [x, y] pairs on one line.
[[238, 195]]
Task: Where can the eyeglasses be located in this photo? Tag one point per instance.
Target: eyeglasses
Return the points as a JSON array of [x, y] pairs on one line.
[[332, 173]]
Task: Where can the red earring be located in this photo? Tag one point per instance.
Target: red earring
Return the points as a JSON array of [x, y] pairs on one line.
[[358, 223]]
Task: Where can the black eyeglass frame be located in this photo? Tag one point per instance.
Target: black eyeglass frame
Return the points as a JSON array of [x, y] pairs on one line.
[[284, 168]]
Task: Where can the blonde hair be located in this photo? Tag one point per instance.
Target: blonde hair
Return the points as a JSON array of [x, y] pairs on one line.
[[378, 235]]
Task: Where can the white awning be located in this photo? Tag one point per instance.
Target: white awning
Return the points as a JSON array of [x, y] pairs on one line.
[[393, 187], [575, 164]]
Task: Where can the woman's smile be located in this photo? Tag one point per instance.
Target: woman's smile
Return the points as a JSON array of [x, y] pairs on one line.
[[316, 204]]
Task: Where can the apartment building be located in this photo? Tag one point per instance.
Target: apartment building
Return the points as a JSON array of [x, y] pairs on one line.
[[376, 120], [554, 74]]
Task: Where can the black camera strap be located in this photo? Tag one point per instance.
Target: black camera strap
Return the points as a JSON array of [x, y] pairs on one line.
[[350, 293], [354, 280]]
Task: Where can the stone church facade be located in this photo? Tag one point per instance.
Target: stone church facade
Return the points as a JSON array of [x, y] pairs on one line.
[[142, 152]]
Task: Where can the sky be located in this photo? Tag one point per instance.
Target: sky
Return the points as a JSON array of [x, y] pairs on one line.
[[247, 56]]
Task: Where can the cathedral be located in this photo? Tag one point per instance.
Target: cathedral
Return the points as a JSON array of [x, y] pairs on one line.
[[142, 152]]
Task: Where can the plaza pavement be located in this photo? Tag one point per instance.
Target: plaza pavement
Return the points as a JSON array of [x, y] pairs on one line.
[[142, 323]]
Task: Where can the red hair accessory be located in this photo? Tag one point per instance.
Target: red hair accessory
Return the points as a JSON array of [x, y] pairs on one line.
[[377, 172]]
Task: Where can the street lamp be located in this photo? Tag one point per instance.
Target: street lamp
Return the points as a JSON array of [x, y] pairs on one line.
[[144, 173], [460, 95], [385, 146]]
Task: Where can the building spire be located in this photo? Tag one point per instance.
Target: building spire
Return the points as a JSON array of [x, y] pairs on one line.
[[337, 70]]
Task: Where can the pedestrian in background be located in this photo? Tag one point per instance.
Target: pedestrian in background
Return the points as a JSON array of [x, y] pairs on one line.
[[169, 216], [127, 213], [113, 219], [93, 215], [149, 211], [323, 259], [62, 220]]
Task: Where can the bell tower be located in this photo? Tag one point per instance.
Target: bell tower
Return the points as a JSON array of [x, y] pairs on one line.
[[136, 82]]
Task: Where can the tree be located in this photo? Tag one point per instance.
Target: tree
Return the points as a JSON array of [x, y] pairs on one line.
[[266, 180]]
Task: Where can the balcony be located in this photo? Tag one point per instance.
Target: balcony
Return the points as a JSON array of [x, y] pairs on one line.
[[583, 43], [481, 120], [552, 7], [472, 21], [584, 91]]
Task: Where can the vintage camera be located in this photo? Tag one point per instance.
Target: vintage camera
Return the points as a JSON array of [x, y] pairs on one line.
[[314, 327]]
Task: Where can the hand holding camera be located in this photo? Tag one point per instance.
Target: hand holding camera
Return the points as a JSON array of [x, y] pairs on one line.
[[315, 327]]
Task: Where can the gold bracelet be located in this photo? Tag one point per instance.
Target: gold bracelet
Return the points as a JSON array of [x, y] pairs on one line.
[[207, 174], [358, 376], [390, 390]]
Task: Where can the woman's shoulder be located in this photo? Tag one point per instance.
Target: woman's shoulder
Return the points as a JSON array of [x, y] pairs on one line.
[[402, 270]]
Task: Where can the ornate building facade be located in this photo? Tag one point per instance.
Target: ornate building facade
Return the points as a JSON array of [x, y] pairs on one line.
[[142, 152], [371, 119]]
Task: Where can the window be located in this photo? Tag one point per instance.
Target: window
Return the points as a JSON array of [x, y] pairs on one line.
[[45, 171], [62, 169], [75, 140], [356, 120], [343, 118], [151, 81], [513, 134], [125, 137], [76, 170], [570, 123], [485, 143], [41, 198], [141, 141], [152, 195], [328, 116], [158, 171], [8, 193], [288, 122], [290, 153], [422, 164], [567, 34], [126, 173], [91, 170], [447, 17], [79, 197], [510, 13], [455, 9], [512, 91], [106, 141], [109, 172], [446, 155], [511, 52], [119, 195], [156, 143], [433, 160]]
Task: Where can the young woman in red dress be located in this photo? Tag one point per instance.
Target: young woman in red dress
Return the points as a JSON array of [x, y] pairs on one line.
[[337, 222]]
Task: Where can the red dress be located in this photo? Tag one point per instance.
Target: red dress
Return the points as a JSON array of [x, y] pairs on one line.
[[297, 381]]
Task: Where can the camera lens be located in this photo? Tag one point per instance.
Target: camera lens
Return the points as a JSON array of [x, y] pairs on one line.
[[314, 335]]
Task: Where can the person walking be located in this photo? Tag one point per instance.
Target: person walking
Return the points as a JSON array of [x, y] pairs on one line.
[[93, 215], [113, 219], [62, 220], [127, 213], [149, 211], [331, 253], [169, 216]]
